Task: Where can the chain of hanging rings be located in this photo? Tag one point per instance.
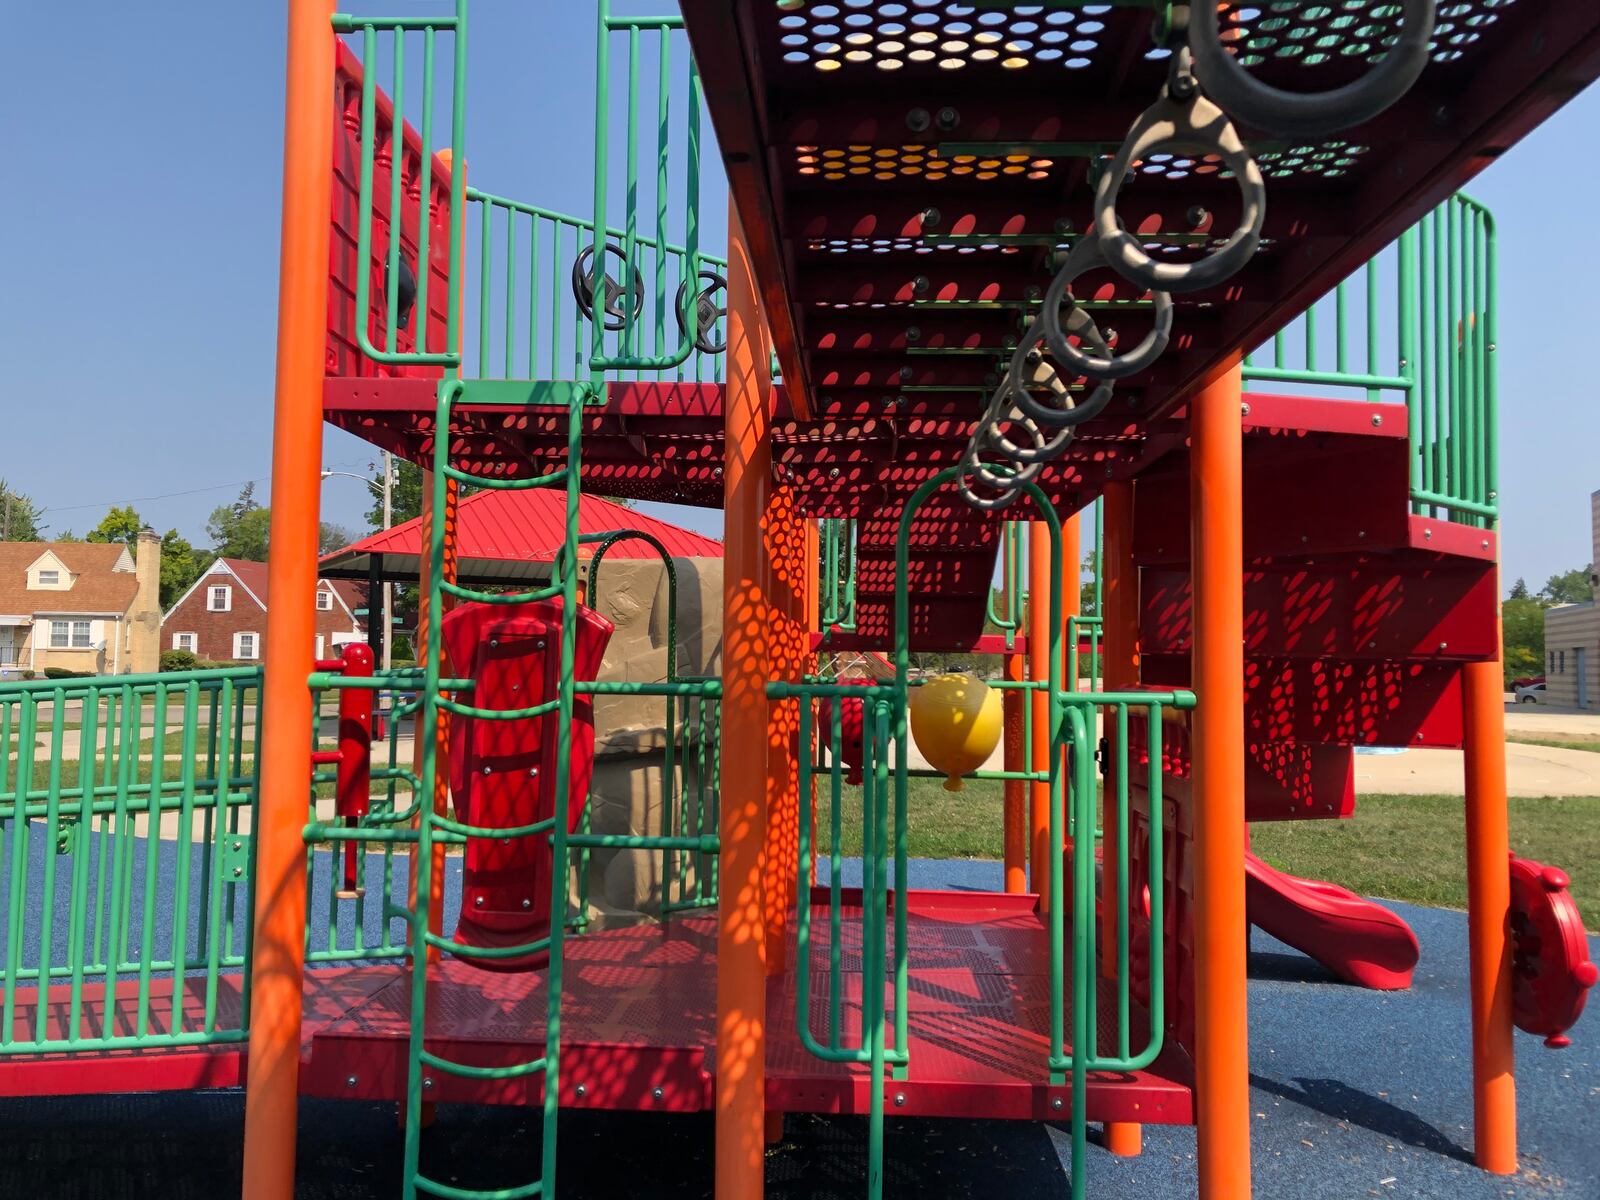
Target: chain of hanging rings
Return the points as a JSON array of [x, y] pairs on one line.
[[1033, 415]]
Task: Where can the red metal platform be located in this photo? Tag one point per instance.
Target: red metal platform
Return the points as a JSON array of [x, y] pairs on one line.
[[638, 1022]]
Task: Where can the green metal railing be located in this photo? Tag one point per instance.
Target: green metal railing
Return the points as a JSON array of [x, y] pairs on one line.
[[837, 574], [393, 33], [1416, 324], [627, 351], [530, 326], [126, 805]]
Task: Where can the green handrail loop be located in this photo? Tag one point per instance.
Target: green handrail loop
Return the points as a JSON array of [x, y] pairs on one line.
[[430, 27]]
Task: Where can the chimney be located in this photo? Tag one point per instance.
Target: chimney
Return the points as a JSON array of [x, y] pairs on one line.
[[144, 614]]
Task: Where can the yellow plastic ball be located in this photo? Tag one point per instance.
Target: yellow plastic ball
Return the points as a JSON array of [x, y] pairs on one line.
[[956, 721]]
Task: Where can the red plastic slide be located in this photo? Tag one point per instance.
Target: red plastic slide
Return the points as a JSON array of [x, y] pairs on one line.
[[1359, 941]]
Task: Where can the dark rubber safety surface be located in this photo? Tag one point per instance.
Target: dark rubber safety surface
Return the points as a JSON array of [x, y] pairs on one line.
[[1356, 1094]]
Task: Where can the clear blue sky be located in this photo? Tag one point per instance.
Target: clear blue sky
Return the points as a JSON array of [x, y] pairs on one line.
[[140, 219]]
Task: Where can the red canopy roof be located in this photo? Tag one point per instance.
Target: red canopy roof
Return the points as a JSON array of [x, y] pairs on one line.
[[512, 535]]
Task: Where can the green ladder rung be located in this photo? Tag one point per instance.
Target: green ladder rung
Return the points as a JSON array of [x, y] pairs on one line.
[[434, 1188], [467, 1071], [460, 950]]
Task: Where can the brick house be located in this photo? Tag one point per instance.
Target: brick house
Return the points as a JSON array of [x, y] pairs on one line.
[[223, 616], [88, 607], [1572, 639]]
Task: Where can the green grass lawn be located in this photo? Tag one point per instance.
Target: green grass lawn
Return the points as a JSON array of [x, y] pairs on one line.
[[1530, 739], [1413, 848], [1409, 848]]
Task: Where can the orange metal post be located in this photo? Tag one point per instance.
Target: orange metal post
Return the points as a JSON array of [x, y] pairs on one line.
[[1494, 1085], [785, 552], [1071, 591], [1119, 649], [1222, 1068], [747, 619], [278, 964], [1039, 707]]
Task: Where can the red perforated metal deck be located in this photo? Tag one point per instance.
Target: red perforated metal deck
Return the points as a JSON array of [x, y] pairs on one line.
[[638, 1024]]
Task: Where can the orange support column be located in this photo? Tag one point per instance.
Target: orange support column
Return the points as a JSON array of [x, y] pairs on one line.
[[785, 552], [1494, 1085], [1039, 707], [278, 963], [747, 620], [1222, 1059], [1071, 594]]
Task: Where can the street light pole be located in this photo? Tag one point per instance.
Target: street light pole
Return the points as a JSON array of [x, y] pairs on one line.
[[388, 519]]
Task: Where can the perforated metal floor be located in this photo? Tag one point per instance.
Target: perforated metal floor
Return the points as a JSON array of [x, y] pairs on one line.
[[638, 1025]]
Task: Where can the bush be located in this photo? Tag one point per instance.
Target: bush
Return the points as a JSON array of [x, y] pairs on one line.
[[30, 674], [63, 673], [178, 660]]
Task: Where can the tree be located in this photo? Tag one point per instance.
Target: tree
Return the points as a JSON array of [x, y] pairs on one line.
[[240, 529], [331, 537], [19, 517], [405, 496], [1519, 590], [1522, 647], [1569, 587], [181, 565], [118, 525]]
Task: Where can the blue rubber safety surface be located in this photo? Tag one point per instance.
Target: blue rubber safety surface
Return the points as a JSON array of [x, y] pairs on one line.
[[1355, 1094]]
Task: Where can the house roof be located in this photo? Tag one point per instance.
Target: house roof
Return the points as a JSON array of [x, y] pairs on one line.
[[98, 589], [252, 576], [512, 535]]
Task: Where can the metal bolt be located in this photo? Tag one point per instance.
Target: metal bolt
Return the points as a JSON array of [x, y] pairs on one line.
[[1377, 420], [1361, 533], [427, 1083], [920, 285], [918, 120], [494, 641], [907, 373], [477, 902], [486, 770], [1493, 347], [1196, 216], [1055, 1103], [350, 1081], [914, 333], [948, 118], [533, 772], [1244, 409], [238, 871], [1427, 535], [1484, 543], [899, 1099], [1064, 225], [581, 1090], [931, 218], [539, 645], [526, 903], [656, 1093], [1442, 646], [1442, 115], [833, 472]]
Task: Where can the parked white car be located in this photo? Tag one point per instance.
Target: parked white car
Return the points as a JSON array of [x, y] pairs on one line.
[[1532, 694]]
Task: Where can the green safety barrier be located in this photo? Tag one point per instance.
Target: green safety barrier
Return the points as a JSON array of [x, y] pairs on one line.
[[1439, 282], [128, 859]]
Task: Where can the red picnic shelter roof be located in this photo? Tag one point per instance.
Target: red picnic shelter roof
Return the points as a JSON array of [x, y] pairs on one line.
[[506, 536]]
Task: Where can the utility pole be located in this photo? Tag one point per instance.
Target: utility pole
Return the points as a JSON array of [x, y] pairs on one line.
[[388, 519]]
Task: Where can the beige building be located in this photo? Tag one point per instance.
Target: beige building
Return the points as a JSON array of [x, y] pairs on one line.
[[86, 607], [1572, 640]]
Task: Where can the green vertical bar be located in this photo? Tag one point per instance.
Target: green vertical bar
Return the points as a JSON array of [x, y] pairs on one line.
[[397, 159], [628, 340], [1341, 322], [1407, 347], [1311, 338], [21, 835], [82, 835], [511, 290], [184, 848], [1124, 1020], [52, 830], [1371, 277], [425, 194], [1426, 369], [1491, 376], [486, 243], [663, 95], [534, 225], [152, 857], [836, 862], [1453, 334], [602, 165], [216, 852], [873, 957], [122, 838]]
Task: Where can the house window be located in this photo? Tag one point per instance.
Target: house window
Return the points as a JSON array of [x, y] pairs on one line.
[[244, 645], [325, 601], [219, 599], [69, 635], [184, 641], [49, 579], [1552, 667], [1561, 658]]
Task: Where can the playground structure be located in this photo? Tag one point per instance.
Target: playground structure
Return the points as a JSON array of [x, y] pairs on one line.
[[1280, 578]]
